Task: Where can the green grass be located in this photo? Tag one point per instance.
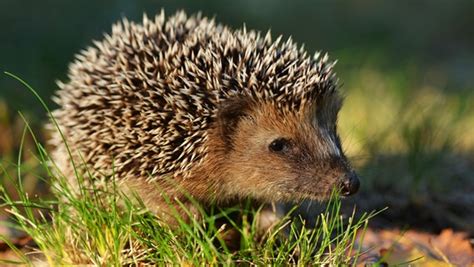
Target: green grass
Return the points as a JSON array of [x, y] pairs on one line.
[[105, 227], [97, 230]]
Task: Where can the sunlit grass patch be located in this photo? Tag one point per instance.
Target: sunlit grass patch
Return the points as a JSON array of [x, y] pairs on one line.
[[378, 112], [385, 116]]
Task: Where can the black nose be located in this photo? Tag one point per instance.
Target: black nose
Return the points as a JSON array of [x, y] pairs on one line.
[[350, 185]]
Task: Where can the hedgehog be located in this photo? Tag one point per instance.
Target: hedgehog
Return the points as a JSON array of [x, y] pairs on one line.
[[183, 106]]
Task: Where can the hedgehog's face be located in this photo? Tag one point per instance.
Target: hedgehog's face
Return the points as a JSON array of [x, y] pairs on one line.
[[275, 155]]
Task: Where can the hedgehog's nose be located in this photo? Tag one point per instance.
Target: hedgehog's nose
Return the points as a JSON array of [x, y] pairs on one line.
[[350, 185]]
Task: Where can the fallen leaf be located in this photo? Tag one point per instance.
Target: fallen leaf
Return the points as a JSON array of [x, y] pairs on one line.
[[415, 248]]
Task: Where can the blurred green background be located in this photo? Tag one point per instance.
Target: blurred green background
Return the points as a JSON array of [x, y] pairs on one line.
[[432, 40], [406, 67]]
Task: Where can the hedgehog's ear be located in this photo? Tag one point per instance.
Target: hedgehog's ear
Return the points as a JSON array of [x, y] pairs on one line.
[[230, 112]]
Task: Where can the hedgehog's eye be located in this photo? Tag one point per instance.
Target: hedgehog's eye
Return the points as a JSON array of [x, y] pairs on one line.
[[279, 145]]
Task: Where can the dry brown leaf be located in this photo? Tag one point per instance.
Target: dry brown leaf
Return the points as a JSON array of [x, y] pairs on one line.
[[396, 247]]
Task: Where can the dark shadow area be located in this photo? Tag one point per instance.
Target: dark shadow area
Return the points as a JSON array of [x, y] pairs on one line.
[[441, 198]]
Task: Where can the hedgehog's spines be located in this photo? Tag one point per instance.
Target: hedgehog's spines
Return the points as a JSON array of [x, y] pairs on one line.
[[156, 88]]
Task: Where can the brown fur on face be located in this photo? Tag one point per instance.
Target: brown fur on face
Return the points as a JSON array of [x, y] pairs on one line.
[[240, 163]]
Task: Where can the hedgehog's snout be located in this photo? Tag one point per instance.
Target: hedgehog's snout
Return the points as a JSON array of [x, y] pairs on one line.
[[350, 184]]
